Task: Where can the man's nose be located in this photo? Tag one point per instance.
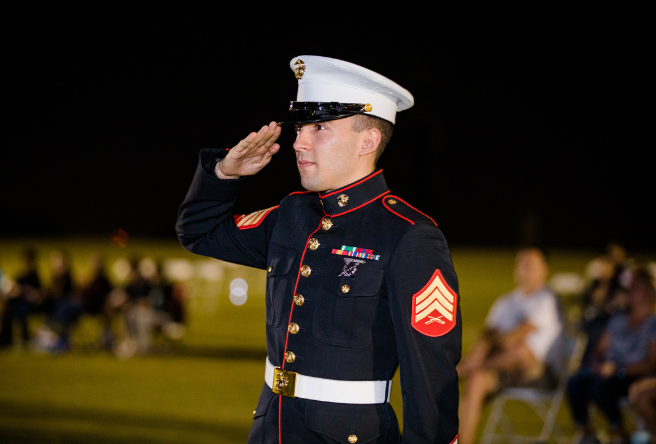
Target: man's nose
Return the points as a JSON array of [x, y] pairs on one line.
[[302, 142]]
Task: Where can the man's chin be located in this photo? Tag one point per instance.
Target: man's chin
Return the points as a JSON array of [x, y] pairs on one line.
[[311, 184]]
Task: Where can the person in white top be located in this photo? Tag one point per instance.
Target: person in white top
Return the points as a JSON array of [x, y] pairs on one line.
[[520, 329]]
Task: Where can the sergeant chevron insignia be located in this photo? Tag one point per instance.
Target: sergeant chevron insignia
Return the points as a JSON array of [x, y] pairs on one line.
[[434, 307], [252, 220]]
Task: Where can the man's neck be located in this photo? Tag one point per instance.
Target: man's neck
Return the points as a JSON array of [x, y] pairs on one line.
[[349, 182], [530, 289]]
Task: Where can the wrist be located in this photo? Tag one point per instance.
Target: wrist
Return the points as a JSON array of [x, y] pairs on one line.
[[220, 174]]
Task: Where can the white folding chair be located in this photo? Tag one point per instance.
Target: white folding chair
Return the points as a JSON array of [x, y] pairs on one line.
[[545, 403]]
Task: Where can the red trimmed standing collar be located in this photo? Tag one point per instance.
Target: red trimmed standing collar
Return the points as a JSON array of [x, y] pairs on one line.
[[354, 196]]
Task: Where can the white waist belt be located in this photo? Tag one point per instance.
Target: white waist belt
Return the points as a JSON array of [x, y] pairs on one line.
[[332, 390]]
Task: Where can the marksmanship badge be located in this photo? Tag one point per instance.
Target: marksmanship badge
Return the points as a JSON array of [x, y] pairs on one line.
[[434, 307], [351, 266]]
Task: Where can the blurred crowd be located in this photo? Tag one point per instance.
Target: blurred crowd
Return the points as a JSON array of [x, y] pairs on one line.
[[611, 310], [130, 315], [619, 362], [525, 334]]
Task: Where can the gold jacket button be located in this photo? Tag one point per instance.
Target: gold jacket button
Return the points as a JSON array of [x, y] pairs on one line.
[[326, 224], [306, 270], [391, 202], [290, 357], [254, 411], [345, 288], [293, 328], [313, 244], [352, 439], [269, 269], [299, 300]]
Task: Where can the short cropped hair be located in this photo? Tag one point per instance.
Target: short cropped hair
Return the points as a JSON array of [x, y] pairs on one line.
[[361, 122]]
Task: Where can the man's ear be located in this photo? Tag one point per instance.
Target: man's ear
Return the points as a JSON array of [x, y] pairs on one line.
[[369, 141]]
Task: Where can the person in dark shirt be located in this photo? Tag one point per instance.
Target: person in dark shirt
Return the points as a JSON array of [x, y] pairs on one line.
[[628, 352], [65, 300], [95, 296], [166, 299], [23, 300], [604, 297]]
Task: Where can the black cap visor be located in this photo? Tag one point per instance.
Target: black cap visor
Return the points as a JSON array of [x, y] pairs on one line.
[[310, 112]]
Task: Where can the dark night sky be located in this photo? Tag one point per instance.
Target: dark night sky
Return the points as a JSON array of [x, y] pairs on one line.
[[535, 120]]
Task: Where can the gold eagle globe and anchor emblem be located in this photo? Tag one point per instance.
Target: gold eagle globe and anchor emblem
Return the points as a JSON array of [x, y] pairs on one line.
[[284, 383], [300, 69], [342, 199]]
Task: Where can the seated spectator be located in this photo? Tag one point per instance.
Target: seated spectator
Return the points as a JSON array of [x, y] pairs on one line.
[[7, 285], [95, 297], [628, 351], [24, 298], [616, 252], [138, 314], [7, 290], [67, 302], [166, 298], [604, 297], [521, 328], [642, 396]]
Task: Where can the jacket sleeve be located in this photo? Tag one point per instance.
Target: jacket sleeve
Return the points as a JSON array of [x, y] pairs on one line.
[[206, 221], [425, 309]]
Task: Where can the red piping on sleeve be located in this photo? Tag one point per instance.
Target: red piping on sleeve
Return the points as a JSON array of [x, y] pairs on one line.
[[350, 186], [455, 440]]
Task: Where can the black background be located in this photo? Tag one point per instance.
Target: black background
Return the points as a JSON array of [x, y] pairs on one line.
[[531, 123]]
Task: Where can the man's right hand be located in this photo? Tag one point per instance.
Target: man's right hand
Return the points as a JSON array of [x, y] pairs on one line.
[[251, 154]]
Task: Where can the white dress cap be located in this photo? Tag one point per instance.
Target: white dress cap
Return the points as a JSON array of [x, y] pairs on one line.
[[322, 79]]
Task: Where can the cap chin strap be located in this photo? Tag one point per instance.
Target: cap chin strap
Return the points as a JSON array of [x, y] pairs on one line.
[[330, 106]]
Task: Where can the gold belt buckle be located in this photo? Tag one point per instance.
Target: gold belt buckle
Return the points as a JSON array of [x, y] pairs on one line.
[[284, 383]]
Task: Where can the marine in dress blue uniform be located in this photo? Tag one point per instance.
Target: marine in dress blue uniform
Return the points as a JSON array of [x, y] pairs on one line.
[[359, 283]]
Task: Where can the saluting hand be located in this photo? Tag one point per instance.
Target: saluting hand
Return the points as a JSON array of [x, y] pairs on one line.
[[251, 154]]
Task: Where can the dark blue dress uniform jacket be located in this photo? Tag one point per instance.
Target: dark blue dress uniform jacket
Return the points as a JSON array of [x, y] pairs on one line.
[[354, 323]]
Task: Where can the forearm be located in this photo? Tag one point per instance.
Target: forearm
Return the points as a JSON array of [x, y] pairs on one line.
[[517, 336], [209, 202]]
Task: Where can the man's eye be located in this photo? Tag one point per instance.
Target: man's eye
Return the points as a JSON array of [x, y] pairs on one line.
[[320, 126], [297, 128]]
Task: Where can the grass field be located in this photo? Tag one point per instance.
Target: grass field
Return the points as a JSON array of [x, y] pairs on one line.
[[202, 389]]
